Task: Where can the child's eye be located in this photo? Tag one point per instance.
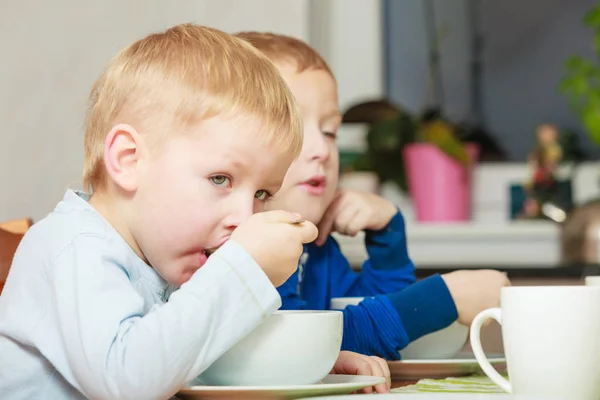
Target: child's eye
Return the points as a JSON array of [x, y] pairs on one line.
[[332, 135], [220, 180], [262, 195]]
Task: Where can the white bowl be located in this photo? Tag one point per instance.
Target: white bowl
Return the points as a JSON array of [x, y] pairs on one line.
[[439, 345], [339, 303], [289, 348], [592, 280], [442, 344]]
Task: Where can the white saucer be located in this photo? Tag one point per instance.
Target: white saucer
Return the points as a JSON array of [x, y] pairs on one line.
[[461, 365], [330, 385]]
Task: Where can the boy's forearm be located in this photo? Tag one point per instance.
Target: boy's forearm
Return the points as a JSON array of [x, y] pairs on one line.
[[385, 324], [116, 351], [373, 328], [424, 307]]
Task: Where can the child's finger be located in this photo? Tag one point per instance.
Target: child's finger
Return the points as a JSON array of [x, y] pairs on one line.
[[308, 231], [358, 223], [377, 370], [281, 216], [326, 224], [345, 215], [354, 364], [386, 373]]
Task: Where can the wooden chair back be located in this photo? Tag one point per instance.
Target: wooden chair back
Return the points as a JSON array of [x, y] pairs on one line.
[[11, 233], [20, 225]]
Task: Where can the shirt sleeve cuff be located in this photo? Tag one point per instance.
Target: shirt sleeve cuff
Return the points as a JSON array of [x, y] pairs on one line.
[[251, 276], [396, 224], [387, 247], [424, 307]]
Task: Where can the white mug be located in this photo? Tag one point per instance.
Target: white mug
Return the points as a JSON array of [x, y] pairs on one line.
[[592, 280], [551, 338]]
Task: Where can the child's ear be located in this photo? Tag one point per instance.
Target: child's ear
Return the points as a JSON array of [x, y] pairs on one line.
[[122, 151]]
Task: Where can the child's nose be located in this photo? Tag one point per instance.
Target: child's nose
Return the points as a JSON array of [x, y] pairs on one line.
[[238, 214], [317, 146]]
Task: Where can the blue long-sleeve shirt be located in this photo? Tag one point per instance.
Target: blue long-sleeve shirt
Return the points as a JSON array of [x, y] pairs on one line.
[[398, 309]]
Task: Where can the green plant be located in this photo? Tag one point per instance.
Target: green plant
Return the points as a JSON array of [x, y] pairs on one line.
[[390, 130], [581, 83]]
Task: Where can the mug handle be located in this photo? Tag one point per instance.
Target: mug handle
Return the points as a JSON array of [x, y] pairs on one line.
[[495, 313]]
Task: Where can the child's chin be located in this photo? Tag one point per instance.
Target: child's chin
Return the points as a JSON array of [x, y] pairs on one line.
[[182, 277], [314, 216], [180, 280]]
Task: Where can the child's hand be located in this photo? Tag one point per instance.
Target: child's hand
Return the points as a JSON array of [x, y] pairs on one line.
[[351, 212], [274, 239], [350, 363], [475, 291]]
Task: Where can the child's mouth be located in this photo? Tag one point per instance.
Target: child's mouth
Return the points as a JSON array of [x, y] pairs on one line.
[[209, 251], [204, 254], [315, 185]]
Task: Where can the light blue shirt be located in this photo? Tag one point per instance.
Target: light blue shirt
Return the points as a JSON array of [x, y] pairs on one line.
[[82, 316]]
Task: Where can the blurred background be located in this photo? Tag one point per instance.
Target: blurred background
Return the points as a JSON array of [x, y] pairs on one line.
[[480, 119]]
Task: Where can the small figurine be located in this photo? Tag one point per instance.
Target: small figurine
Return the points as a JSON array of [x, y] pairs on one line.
[[551, 151], [543, 160]]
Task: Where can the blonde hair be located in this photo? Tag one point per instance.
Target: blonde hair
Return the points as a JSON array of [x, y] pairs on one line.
[[282, 48], [181, 76]]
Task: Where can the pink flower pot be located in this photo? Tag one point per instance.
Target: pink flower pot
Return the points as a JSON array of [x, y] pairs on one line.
[[439, 186]]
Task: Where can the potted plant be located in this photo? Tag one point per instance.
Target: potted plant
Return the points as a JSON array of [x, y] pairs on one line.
[[581, 82], [423, 156]]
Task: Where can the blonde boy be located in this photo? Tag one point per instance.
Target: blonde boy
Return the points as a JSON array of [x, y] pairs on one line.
[[189, 132], [400, 309]]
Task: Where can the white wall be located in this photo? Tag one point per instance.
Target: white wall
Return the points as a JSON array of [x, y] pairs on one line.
[[53, 52], [348, 33]]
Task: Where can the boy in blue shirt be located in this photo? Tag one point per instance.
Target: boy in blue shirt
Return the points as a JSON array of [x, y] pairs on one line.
[[401, 309], [133, 291]]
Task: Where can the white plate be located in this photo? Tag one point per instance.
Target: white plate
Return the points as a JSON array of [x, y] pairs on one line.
[[330, 385], [439, 396], [458, 359], [461, 365]]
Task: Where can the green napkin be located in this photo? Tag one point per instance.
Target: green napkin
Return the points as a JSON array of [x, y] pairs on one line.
[[468, 384]]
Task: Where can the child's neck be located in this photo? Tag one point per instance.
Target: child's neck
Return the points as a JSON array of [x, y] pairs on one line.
[[114, 210]]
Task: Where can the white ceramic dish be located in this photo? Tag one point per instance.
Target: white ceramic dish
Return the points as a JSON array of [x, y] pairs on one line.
[[289, 348], [460, 365], [330, 385], [592, 280]]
